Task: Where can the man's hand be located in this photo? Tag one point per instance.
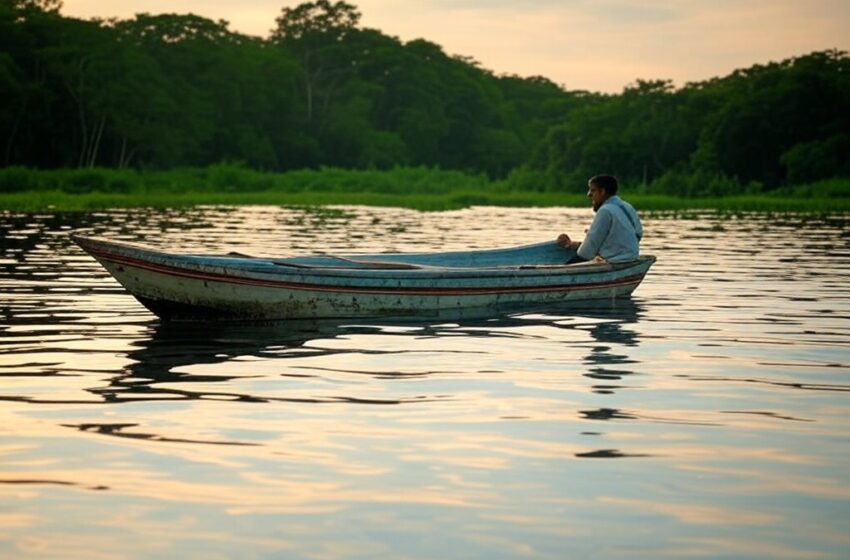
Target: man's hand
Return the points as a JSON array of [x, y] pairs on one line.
[[567, 243]]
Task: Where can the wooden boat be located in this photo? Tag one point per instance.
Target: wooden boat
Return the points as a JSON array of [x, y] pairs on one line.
[[235, 286]]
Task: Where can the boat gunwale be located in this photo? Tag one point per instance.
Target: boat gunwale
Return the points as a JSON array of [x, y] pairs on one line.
[[240, 266]]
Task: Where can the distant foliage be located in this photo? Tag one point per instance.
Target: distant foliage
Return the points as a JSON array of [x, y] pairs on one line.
[[763, 127], [237, 178], [181, 91]]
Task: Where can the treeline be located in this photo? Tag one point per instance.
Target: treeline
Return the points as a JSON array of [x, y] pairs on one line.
[[168, 91]]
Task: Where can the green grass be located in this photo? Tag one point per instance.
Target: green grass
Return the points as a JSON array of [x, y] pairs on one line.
[[28, 190], [61, 201]]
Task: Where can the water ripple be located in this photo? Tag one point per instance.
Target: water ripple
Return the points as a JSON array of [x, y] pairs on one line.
[[721, 388]]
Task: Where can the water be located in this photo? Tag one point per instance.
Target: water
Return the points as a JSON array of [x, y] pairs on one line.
[[708, 417]]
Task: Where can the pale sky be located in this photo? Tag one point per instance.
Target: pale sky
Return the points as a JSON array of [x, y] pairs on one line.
[[596, 45]]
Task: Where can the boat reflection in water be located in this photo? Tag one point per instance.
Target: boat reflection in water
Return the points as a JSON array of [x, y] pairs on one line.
[[173, 358]]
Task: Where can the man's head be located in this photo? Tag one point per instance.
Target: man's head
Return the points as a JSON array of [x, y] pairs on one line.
[[600, 188]]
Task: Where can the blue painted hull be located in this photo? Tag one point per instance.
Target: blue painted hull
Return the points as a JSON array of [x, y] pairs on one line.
[[181, 286]]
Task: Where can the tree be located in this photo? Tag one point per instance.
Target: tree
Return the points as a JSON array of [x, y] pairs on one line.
[[26, 26], [219, 95], [769, 109], [175, 90], [318, 20], [316, 32], [80, 60]]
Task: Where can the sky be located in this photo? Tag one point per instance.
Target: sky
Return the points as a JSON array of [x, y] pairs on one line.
[[594, 45]]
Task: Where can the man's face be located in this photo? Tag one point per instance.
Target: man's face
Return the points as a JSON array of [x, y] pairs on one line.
[[596, 195]]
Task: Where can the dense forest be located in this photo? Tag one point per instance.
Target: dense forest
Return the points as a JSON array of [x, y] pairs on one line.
[[168, 91]]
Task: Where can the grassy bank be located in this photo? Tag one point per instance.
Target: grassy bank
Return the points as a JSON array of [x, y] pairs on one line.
[[418, 188]]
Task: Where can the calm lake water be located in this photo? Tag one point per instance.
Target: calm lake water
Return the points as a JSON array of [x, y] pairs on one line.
[[709, 416]]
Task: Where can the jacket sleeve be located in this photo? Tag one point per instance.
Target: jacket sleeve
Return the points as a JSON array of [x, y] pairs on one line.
[[596, 235], [639, 226]]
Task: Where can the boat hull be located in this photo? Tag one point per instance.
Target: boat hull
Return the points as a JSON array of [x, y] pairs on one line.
[[186, 287]]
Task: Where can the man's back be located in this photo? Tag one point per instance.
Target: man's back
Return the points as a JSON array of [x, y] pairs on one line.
[[614, 234]]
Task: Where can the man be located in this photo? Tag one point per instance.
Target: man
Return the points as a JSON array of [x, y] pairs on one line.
[[615, 232]]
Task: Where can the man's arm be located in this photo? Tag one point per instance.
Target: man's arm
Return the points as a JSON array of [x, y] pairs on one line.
[[596, 235], [638, 225]]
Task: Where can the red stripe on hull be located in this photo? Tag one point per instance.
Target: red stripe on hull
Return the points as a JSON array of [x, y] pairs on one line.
[[224, 278]]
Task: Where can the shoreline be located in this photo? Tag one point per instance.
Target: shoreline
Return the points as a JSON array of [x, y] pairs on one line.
[[59, 201], [418, 188]]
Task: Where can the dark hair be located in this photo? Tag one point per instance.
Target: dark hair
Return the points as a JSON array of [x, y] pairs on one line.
[[607, 182]]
